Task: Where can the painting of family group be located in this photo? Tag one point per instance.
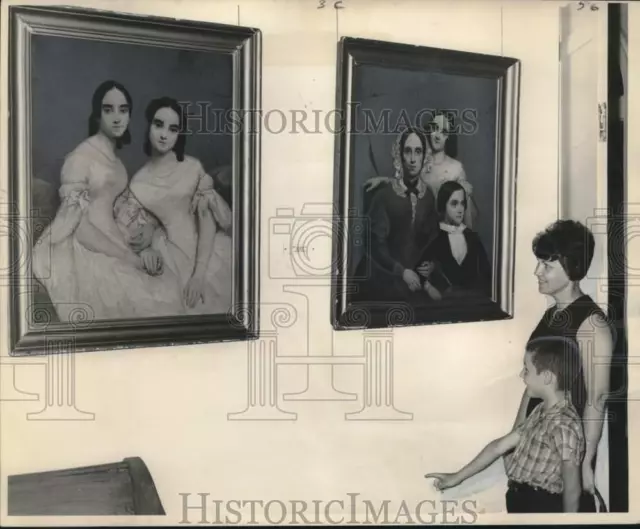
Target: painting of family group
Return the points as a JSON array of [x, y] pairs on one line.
[[423, 180], [131, 186]]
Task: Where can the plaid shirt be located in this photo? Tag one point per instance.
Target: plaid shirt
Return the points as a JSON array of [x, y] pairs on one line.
[[547, 438]]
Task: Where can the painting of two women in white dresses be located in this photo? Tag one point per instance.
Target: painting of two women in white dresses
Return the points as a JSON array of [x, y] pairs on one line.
[[151, 244]]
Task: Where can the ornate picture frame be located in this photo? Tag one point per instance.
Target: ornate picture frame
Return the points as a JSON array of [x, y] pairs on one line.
[[212, 71], [403, 259]]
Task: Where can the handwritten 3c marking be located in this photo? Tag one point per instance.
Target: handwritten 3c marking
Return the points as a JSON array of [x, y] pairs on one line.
[[336, 5]]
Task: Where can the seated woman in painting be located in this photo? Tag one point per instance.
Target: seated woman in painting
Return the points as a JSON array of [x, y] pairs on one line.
[[403, 220], [441, 164], [172, 206], [82, 258], [455, 262]]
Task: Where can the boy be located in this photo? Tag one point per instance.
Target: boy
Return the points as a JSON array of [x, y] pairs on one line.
[[548, 447]]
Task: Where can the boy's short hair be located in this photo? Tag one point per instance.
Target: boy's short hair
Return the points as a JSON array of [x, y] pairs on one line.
[[559, 355]]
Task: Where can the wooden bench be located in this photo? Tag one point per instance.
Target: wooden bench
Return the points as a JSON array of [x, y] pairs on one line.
[[124, 488]]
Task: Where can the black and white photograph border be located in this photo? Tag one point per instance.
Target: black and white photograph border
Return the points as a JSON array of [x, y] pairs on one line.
[[350, 313], [29, 330]]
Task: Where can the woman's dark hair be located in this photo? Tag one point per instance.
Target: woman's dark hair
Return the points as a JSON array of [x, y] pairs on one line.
[[96, 110], [569, 242], [451, 145], [444, 194], [155, 105], [403, 139]]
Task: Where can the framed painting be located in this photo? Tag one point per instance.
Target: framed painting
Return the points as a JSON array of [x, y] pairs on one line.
[[425, 185], [133, 180]]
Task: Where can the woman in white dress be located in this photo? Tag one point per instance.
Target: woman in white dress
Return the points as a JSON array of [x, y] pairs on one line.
[[173, 197], [442, 166], [82, 258]]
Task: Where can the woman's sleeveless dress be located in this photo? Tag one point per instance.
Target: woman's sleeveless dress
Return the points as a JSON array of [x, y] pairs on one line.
[[566, 323]]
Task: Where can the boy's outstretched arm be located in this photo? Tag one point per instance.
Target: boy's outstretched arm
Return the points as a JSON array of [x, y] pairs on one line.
[[487, 455], [572, 489]]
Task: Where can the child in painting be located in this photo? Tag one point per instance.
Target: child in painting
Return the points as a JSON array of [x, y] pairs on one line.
[[455, 262], [443, 166], [548, 448]]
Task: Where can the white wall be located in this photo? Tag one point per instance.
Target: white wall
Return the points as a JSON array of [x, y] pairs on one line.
[[169, 405], [583, 72]]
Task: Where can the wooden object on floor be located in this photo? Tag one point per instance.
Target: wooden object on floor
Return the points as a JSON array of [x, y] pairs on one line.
[[124, 488]]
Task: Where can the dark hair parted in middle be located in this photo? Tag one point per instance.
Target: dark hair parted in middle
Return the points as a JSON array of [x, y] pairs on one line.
[[447, 189], [569, 242], [96, 109], [423, 140], [149, 114]]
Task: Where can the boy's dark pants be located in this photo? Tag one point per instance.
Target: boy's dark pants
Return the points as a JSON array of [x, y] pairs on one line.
[[522, 498]]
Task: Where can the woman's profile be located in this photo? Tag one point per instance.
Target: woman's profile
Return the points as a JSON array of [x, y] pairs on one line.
[[172, 201], [82, 258]]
